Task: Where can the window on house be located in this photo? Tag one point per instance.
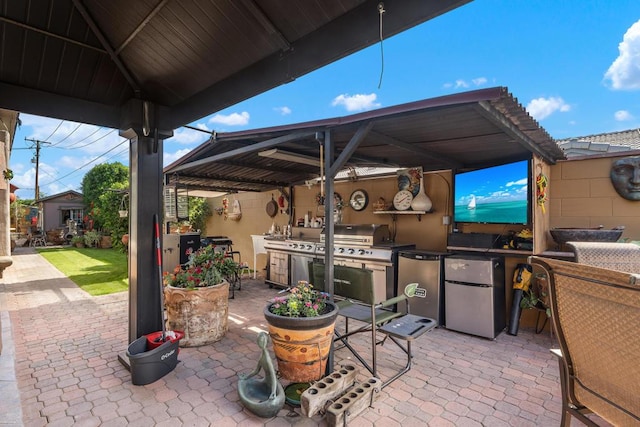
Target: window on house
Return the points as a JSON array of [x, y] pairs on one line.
[[71, 213]]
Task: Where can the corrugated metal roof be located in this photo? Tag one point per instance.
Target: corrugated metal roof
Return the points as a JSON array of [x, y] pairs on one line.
[[461, 131]]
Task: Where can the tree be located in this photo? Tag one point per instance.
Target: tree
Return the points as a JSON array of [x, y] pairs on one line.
[[199, 212], [98, 197]]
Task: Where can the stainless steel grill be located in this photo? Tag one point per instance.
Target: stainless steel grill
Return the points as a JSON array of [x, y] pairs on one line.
[[359, 234], [357, 242]]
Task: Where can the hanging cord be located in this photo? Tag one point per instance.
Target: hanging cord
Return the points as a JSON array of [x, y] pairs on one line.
[[381, 12]]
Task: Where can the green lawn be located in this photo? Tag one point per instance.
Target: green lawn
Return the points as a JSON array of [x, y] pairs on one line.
[[97, 271]]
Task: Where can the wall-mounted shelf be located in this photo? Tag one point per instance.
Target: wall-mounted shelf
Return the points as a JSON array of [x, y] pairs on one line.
[[394, 213]]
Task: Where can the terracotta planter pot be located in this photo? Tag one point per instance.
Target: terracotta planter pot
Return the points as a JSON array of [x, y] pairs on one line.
[[200, 313], [302, 344], [105, 242], [125, 240]]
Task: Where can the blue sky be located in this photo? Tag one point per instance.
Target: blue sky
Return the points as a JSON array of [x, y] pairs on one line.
[[573, 64]]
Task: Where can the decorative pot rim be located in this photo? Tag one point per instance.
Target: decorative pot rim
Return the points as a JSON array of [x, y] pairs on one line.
[[222, 283], [299, 323]]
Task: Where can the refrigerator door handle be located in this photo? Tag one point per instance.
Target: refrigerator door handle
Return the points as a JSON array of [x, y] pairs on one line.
[[475, 285]]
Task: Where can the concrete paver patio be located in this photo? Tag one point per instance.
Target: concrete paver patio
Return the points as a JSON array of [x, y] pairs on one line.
[[61, 351]]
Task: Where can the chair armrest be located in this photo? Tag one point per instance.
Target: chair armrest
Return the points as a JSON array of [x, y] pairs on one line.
[[392, 301]]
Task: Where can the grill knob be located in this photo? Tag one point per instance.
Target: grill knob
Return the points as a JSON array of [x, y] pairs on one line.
[[340, 250], [351, 251], [308, 247], [294, 246], [361, 251]]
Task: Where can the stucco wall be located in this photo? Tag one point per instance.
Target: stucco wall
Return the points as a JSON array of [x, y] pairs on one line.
[[581, 195], [426, 233]]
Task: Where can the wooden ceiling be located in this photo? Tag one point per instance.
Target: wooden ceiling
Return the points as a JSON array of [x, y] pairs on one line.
[[89, 60]]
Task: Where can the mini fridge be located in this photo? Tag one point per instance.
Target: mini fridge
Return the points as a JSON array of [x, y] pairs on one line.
[[424, 268], [474, 295]]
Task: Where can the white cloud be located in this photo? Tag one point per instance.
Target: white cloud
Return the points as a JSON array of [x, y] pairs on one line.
[[71, 162], [541, 108], [283, 110], [463, 84], [24, 180], [169, 158], [233, 119], [624, 72], [622, 115], [359, 102], [522, 181], [186, 136]]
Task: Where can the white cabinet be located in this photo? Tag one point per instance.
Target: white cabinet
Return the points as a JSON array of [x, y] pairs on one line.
[[278, 273]]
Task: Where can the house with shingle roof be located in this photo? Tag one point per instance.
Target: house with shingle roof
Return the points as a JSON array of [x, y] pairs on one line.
[[626, 140]]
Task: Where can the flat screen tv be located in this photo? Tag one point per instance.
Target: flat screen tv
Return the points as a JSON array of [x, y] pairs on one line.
[[494, 195]]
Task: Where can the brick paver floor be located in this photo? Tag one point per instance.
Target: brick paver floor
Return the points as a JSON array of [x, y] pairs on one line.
[[65, 346]]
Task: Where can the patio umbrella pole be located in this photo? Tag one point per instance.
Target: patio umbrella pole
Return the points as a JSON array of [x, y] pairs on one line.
[[159, 260]]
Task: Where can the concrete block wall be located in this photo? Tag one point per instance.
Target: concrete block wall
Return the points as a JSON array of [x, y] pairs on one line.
[[581, 195]]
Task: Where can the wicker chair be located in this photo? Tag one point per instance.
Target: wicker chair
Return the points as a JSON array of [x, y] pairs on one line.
[[596, 315], [613, 256]]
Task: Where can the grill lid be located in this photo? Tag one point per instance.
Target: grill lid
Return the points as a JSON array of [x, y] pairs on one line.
[[358, 234]]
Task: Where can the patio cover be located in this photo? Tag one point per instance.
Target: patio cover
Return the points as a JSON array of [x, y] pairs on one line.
[[147, 67], [85, 60], [456, 132]]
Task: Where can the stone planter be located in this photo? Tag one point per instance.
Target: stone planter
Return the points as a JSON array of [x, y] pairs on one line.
[[105, 242], [201, 313], [301, 344]]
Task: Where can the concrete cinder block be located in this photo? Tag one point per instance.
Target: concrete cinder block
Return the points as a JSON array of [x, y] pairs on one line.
[[353, 402], [315, 398]]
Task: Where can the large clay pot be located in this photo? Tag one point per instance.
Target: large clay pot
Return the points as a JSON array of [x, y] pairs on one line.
[[302, 344], [105, 242], [201, 313]]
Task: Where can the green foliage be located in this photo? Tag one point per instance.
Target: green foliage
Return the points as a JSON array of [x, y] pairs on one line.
[[77, 239], [95, 189], [199, 212], [535, 297], [206, 267], [303, 301], [91, 238], [112, 223], [97, 271]]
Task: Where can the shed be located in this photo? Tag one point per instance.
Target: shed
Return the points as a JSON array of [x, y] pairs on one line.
[[58, 208]]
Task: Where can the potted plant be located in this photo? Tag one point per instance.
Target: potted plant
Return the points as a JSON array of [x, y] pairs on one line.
[[301, 327], [77, 241], [196, 297], [105, 241], [535, 296], [91, 238]]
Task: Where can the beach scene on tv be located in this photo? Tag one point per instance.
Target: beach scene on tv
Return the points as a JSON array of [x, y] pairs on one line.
[[497, 194]]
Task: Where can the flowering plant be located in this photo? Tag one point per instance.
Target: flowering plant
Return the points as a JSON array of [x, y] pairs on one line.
[[302, 301], [206, 267]]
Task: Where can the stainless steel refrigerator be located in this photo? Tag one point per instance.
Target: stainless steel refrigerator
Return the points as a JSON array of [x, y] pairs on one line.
[[424, 268], [474, 295]]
